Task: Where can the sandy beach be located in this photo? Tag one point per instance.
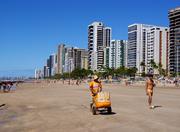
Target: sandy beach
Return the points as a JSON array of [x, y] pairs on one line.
[[57, 107]]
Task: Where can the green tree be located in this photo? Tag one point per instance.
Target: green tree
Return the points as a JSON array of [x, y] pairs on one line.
[[153, 65], [132, 71], [65, 75], [121, 71], [160, 69], [106, 71], [57, 76], [143, 65], [81, 73]]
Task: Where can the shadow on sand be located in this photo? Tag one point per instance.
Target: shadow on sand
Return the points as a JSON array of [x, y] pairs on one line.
[[157, 106], [104, 112], [2, 105]]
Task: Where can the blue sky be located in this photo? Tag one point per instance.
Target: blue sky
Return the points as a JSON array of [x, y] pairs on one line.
[[30, 30]]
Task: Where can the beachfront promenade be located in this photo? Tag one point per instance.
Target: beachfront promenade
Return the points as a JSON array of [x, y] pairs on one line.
[[57, 107]]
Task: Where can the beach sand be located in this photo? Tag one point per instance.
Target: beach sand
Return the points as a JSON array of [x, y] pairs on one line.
[[43, 107]]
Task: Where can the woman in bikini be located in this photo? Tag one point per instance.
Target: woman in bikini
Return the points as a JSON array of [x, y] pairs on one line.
[[149, 90]]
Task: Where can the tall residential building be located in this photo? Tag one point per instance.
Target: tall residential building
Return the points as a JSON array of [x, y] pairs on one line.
[[60, 58], [146, 43], [99, 37], [157, 41], [117, 53], [174, 46], [68, 65], [77, 58], [46, 71], [55, 64], [106, 56], [70, 58], [84, 61], [125, 52], [52, 64], [80, 58], [38, 74], [136, 45], [107, 36]]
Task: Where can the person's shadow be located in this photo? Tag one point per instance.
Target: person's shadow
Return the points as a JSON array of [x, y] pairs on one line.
[[157, 106], [2, 106]]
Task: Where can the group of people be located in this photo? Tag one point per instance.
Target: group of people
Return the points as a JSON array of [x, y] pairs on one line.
[[6, 86], [96, 86]]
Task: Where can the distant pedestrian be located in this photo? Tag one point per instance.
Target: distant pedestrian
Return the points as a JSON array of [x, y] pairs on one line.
[[0, 86], [176, 82], [77, 82], [149, 90]]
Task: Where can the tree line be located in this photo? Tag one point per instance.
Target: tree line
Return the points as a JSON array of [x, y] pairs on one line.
[[105, 72]]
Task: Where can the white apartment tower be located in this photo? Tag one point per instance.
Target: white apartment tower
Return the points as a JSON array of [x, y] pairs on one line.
[[146, 43], [117, 53], [174, 44], [136, 45], [157, 48], [99, 37], [60, 58], [106, 56], [68, 59]]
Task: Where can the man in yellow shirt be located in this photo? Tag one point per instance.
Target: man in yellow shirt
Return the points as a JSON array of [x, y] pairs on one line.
[[95, 86]]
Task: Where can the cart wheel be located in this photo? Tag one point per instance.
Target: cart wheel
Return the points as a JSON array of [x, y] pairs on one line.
[[109, 110], [91, 104], [93, 110]]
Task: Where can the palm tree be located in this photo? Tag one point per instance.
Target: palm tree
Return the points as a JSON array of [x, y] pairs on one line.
[[121, 71], [132, 71], [153, 65], [143, 65], [160, 68]]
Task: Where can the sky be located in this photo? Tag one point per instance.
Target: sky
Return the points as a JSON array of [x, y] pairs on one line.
[[30, 30]]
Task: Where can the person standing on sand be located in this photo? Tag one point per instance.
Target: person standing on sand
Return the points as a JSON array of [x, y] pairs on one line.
[[95, 87], [149, 90]]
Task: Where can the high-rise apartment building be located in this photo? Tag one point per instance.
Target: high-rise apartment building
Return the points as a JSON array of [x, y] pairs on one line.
[[136, 45], [117, 54], [68, 64], [99, 37], [84, 61], [106, 56], [107, 36], [157, 41], [125, 43], [52, 64], [174, 46], [146, 43], [38, 74], [80, 58], [70, 58], [60, 58], [46, 71]]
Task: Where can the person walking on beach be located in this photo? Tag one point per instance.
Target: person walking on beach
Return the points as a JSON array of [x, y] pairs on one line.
[[95, 87], [149, 90]]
